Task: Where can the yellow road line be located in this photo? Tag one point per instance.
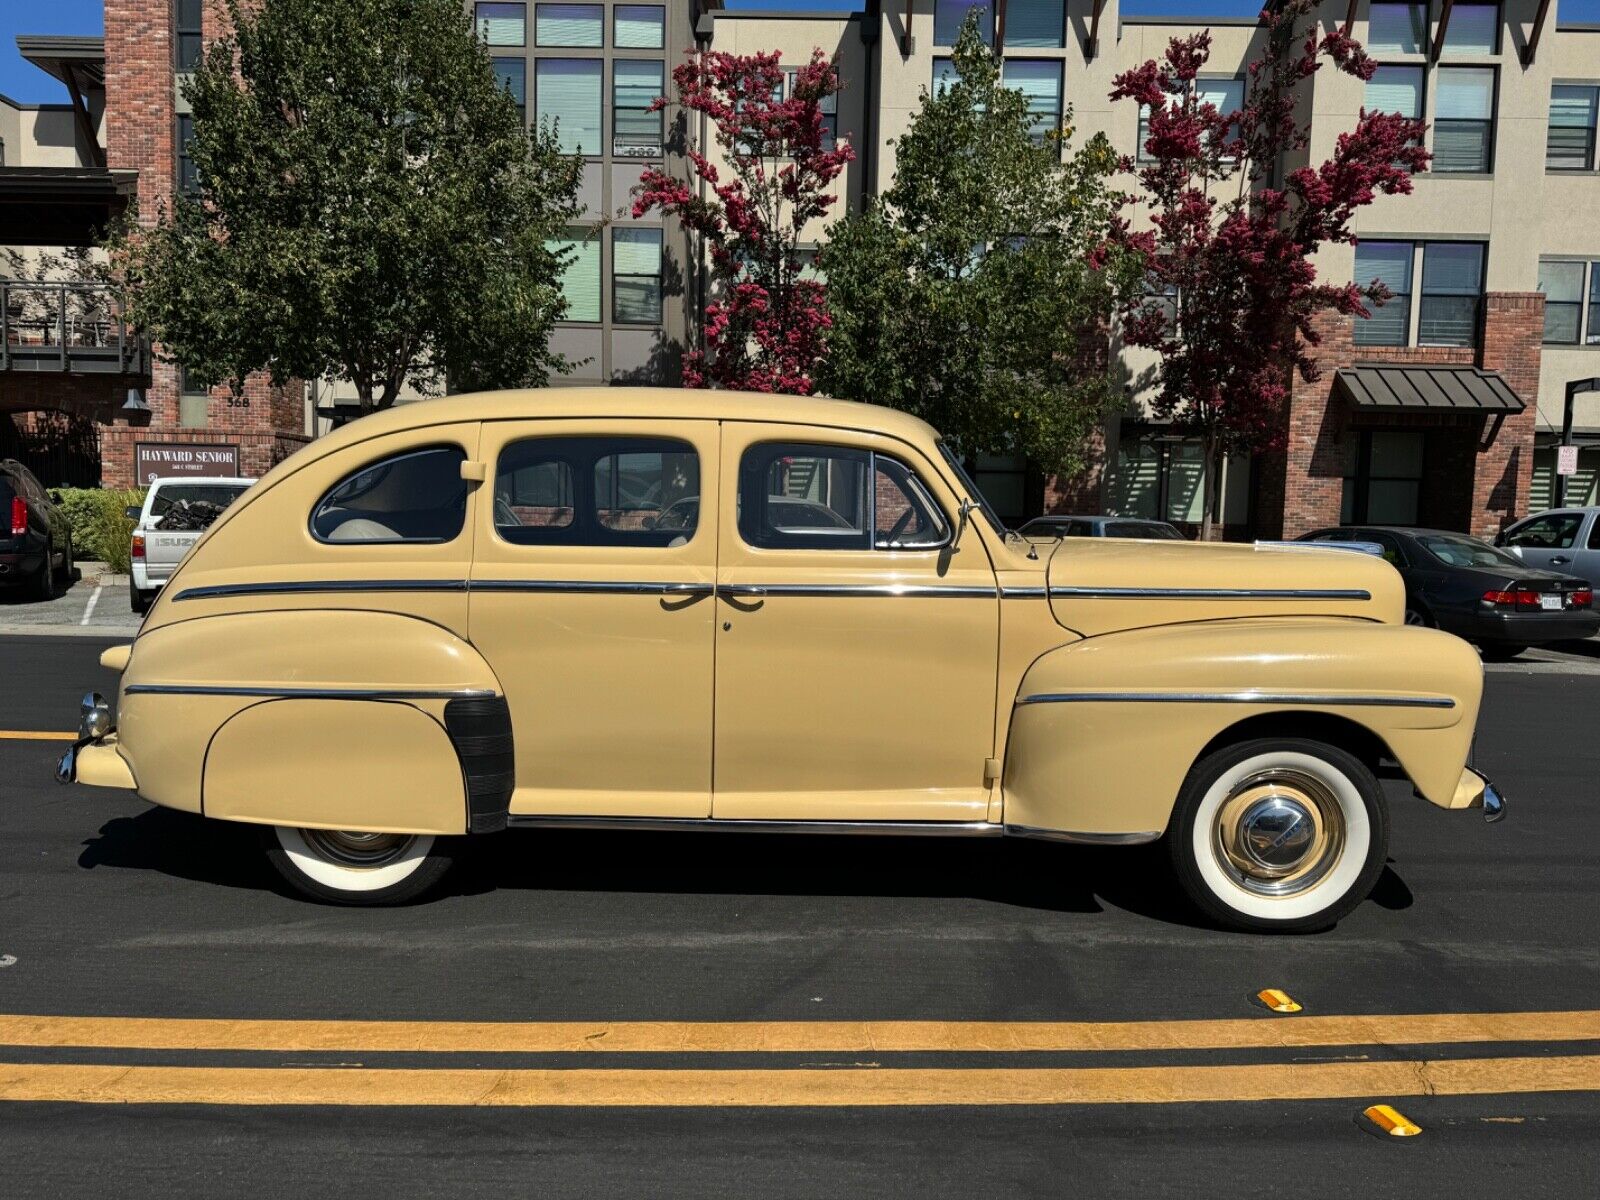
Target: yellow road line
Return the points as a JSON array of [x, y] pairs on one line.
[[36, 735], [845, 1037], [779, 1088]]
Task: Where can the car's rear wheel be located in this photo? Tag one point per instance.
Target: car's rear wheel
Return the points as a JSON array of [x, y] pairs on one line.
[[139, 599], [44, 583], [1283, 834], [348, 867], [1417, 615]]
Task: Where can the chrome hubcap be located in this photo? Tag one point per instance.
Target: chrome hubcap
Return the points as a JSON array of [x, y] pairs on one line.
[[1279, 832], [352, 849]]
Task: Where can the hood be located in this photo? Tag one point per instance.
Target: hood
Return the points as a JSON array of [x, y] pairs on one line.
[[1100, 585]]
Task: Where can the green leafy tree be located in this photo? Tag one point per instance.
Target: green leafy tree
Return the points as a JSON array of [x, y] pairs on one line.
[[976, 291], [369, 207]]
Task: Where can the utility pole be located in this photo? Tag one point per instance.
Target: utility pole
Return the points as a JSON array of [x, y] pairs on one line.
[[1574, 387]]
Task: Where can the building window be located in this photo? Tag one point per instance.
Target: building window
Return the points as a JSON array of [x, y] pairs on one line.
[[1452, 292], [636, 276], [1473, 29], [188, 18], [1035, 24], [581, 25], [188, 175], [1382, 477], [636, 84], [829, 105], [502, 24], [193, 402], [1463, 126], [580, 279], [949, 14], [1563, 283], [1159, 477], [513, 76], [568, 95], [1395, 89], [1390, 264], [1397, 29], [639, 27], [944, 74], [1040, 84], [1570, 142]]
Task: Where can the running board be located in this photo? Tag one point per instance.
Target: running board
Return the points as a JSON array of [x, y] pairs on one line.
[[881, 828]]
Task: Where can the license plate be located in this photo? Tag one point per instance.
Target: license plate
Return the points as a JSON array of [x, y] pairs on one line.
[[1550, 603]]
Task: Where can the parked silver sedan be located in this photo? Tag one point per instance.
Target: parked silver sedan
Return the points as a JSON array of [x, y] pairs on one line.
[[1563, 539]]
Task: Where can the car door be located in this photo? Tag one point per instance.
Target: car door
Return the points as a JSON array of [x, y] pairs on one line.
[[856, 642], [1586, 562], [591, 598], [1549, 540]]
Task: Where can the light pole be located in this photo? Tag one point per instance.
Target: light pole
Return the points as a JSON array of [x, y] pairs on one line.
[[1574, 387]]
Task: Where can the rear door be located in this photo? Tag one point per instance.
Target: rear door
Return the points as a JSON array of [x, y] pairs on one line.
[[1549, 540]]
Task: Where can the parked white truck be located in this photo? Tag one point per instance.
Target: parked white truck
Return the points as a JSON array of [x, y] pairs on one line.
[[174, 514]]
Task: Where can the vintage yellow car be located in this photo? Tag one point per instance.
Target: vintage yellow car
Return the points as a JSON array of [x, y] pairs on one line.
[[712, 611]]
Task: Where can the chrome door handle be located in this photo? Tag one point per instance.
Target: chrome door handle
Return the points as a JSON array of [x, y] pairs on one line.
[[740, 589], [1560, 560]]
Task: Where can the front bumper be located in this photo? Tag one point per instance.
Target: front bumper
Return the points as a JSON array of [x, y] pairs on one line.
[[1475, 791], [97, 764]]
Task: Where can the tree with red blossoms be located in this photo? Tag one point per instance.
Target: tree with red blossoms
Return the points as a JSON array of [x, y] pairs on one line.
[[1232, 292], [767, 324]]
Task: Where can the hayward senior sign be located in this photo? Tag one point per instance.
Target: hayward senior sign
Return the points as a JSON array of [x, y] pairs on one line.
[[162, 460]]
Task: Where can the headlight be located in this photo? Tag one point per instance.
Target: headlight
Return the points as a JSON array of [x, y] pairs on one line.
[[94, 717]]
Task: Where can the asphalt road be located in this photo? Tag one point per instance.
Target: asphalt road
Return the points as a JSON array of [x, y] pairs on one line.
[[111, 909]]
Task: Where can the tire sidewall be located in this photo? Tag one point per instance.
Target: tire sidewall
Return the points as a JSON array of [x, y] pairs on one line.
[[1366, 820], [312, 874]]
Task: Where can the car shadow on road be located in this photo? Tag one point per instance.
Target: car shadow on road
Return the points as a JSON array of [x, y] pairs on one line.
[[183, 846]]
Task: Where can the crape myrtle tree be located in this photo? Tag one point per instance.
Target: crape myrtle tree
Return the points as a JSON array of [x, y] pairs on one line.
[[1232, 294], [966, 294], [766, 323], [368, 207]]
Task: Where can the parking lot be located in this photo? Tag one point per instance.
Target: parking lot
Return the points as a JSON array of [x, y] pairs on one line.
[[666, 1014], [96, 604]]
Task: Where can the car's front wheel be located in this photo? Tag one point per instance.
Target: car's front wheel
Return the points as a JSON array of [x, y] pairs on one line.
[[339, 866], [1282, 834]]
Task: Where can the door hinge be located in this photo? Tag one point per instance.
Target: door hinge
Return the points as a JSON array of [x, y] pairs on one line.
[[474, 472], [991, 770]]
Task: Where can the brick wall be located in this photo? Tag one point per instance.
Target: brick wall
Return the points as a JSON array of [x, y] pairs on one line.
[[1513, 341]]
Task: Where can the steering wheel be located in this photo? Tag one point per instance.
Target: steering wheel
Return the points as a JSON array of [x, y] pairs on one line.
[[900, 526]]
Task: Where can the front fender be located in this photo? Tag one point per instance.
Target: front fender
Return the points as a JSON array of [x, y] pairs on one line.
[[1105, 730]]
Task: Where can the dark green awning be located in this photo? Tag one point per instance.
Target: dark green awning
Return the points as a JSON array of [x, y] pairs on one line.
[[1385, 387]]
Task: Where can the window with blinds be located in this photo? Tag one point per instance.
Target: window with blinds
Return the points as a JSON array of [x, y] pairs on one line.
[[949, 14], [580, 277], [636, 84], [187, 17], [1395, 90], [1040, 84], [944, 74], [513, 76], [1570, 140], [188, 174], [828, 106], [636, 276], [1390, 264], [1473, 29], [1562, 285], [1035, 23], [1463, 120], [1452, 291], [581, 25], [502, 24], [1397, 29], [567, 93], [639, 27]]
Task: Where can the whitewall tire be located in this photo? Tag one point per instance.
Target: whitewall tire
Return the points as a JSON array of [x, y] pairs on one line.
[[341, 867], [1279, 834]]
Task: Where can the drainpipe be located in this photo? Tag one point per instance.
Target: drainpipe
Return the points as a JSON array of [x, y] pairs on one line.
[[871, 23]]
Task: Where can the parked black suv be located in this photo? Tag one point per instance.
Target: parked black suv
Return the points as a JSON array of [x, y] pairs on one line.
[[35, 539]]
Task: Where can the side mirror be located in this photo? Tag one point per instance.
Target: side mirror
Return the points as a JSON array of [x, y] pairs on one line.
[[132, 512], [963, 519]]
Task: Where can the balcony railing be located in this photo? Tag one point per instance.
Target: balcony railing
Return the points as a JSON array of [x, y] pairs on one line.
[[72, 328]]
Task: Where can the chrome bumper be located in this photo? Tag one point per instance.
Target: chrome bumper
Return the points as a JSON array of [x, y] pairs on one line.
[[1475, 791], [1493, 802]]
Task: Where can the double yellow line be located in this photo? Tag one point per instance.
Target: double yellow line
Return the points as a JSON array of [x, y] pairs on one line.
[[850, 1082]]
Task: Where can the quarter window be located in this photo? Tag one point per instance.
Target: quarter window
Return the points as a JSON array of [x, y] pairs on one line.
[[597, 491], [796, 496], [418, 496], [1570, 141]]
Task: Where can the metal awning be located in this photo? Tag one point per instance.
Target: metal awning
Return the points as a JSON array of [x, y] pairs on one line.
[[1387, 387]]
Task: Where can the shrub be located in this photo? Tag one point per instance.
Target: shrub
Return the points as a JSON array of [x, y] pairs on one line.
[[100, 527]]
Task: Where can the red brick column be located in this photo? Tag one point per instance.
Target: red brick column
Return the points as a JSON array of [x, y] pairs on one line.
[[1513, 338], [1300, 486]]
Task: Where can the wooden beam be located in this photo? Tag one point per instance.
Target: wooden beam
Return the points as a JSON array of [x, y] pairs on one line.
[[1349, 18], [80, 113], [1444, 25], [1091, 48], [1532, 47]]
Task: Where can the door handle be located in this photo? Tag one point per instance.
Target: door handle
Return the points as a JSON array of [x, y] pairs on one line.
[[1560, 560], [741, 590]]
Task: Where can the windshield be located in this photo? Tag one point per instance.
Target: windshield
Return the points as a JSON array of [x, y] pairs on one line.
[[1457, 550], [973, 493]]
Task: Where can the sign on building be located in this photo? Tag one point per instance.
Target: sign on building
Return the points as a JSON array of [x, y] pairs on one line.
[[160, 460], [1566, 460]]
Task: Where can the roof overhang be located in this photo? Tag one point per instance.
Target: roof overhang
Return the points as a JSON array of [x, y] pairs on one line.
[[64, 57], [61, 206], [1393, 387]]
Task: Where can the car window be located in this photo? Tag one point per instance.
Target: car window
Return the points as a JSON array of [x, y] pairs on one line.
[[418, 496], [801, 496], [1079, 529], [1458, 550], [597, 491], [1594, 533], [1142, 529], [1550, 531], [1392, 552]]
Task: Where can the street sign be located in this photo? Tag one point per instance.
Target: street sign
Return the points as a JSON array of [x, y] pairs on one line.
[[1566, 460], [158, 460]]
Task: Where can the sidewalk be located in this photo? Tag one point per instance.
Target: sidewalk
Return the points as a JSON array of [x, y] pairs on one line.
[[96, 605]]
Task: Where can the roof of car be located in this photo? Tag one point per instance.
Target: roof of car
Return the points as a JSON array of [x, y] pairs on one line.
[[654, 403], [1412, 530]]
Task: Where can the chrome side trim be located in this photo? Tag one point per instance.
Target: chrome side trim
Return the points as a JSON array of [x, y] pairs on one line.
[[308, 693], [1082, 839], [754, 825], [591, 587], [290, 587], [1024, 593], [1241, 697], [953, 591], [1181, 593]]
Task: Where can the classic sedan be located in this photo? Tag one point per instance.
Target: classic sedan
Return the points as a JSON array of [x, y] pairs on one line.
[[1470, 588], [710, 611]]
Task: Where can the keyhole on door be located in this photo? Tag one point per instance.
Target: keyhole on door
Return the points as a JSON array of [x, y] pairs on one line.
[[726, 625]]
